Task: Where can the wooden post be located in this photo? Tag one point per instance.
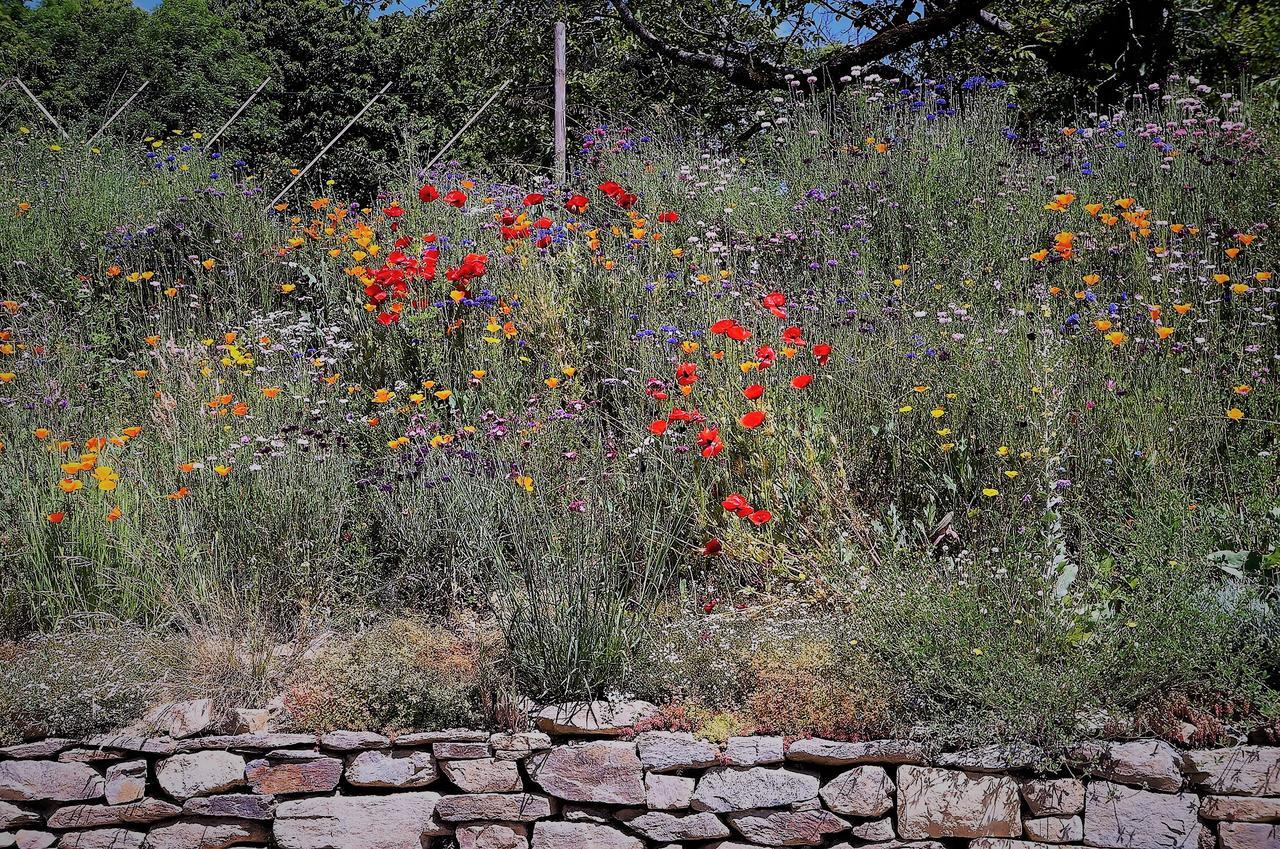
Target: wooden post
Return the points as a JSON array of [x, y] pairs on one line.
[[325, 149], [40, 106], [236, 114], [116, 114], [561, 150]]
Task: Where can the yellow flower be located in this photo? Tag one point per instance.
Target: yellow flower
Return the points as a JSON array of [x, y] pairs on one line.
[[69, 485], [382, 396], [990, 492], [1235, 414]]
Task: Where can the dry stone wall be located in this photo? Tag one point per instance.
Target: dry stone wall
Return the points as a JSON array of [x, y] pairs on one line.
[[588, 779]]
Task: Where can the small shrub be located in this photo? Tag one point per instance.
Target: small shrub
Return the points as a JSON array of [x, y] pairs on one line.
[[399, 674], [85, 680]]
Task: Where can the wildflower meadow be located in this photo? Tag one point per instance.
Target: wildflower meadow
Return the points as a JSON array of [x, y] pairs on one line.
[[913, 409]]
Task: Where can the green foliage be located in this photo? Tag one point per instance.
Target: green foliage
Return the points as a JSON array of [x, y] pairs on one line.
[[86, 678], [397, 674]]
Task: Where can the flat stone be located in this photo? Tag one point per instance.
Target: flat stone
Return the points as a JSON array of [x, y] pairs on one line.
[[448, 735], [950, 803], [248, 720], [97, 816], [1054, 829], [1240, 809], [206, 835], [483, 775], [668, 792], [600, 771], [398, 821], [890, 844], [667, 751], [581, 835], [599, 718], [132, 743], [200, 774], [52, 781], [787, 828], [832, 753], [864, 791], [460, 751], [353, 741], [1244, 770], [503, 807], [996, 758], [11, 816], [272, 776], [241, 806], [1053, 796], [103, 838], [1121, 817], [256, 742], [517, 747], [875, 830], [37, 749], [1243, 835], [733, 789], [586, 813], [81, 755], [671, 828], [181, 719], [492, 836], [754, 751], [1005, 843], [1151, 764], [408, 768], [126, 782], [31, 839]]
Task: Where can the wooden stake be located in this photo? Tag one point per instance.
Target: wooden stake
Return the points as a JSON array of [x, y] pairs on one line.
[[236, 114], [116, 114], [470, 121], [40, 106], [561, 147], [325, 149]]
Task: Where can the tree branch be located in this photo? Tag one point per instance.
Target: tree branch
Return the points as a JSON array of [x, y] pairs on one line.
[[760, 75]]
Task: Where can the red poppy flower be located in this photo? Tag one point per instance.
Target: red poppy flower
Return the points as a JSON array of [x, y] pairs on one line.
[[533, 199], [708, 436], [679, 415], [610, 188], [734, 502], [760, 517], [687, 374], [393, 211], [724, 325], [792, 336], [713, 449], [577, 204], [738, 333], [56, 517], [753, 391], [386, 318], [428, 193], [668, 217], [752, 420], [456, 198], [823, 352], [658, 428], [711, 547], [800, 381]]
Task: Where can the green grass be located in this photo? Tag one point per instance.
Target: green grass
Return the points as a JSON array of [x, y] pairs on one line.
[[999, 519]]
